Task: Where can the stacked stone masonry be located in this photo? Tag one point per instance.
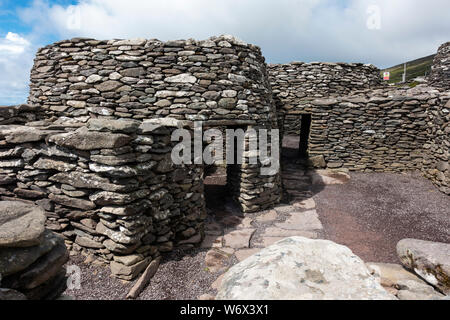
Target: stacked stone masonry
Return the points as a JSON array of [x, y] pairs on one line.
[[381, 130], [298, 81], [109, 186], [440, 70], [97, 155], [221, 81], [360, 124]]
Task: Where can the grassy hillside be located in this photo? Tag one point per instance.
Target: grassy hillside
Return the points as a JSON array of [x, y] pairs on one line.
[[415, 68]]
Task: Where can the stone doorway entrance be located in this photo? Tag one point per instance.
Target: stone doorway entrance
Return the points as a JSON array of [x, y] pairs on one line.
[[295, 142]]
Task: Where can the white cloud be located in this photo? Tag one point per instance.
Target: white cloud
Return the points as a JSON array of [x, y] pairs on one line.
[[287, 30], [16, 58], [13, 44]]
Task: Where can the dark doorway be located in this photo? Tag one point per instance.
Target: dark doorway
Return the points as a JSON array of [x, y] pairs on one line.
[[305, 129], [296, 137]]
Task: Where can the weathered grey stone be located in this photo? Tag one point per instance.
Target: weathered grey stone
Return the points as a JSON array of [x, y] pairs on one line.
[[21, 134], [13, 260], [88, 243], [127, 126], [49, 164], [181, 78], [299, 268], [44, 269], [83, 139], [129, 260], [21, 224], [87, 181], [109, 85], [72, 202], [128, 272]]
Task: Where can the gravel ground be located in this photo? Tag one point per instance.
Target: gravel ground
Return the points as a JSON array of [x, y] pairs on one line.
[[181, 276], [372, 212]]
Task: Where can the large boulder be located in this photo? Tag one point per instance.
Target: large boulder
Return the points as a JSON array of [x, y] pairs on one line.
[[298, 268], [430, 260], [21, 224]]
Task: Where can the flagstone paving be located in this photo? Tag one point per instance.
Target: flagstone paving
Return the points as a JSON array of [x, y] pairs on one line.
[[234, 237]]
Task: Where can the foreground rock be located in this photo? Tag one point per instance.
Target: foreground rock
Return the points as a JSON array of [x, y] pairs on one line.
[[298, 268], [21, 225], [430, 260], [31, 258]]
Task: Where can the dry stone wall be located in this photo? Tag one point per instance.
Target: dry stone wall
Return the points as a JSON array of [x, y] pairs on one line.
[[219, 79], [294, 83], [440, 70], [109, 187], [374, 130], [436, 165]]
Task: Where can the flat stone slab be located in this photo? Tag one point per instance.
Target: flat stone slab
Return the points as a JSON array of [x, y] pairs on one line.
[[306, 220], [45, 268], [268, 241], [267, 217], [278, 232], [430, 260], [297, 268], [416, 290], [243, 254], [239, 238], [21, 224], [125, 272]]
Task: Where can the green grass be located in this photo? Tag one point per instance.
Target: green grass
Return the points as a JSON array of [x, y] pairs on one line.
[[414, 69]]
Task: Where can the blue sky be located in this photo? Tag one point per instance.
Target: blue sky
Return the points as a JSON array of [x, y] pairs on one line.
[[381, 32]]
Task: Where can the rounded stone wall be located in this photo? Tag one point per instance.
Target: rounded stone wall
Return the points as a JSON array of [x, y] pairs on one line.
[[219, 79]]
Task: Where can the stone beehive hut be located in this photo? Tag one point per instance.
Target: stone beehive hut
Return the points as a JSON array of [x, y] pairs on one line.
[[355, 122], [296, 83], [98, 159]]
